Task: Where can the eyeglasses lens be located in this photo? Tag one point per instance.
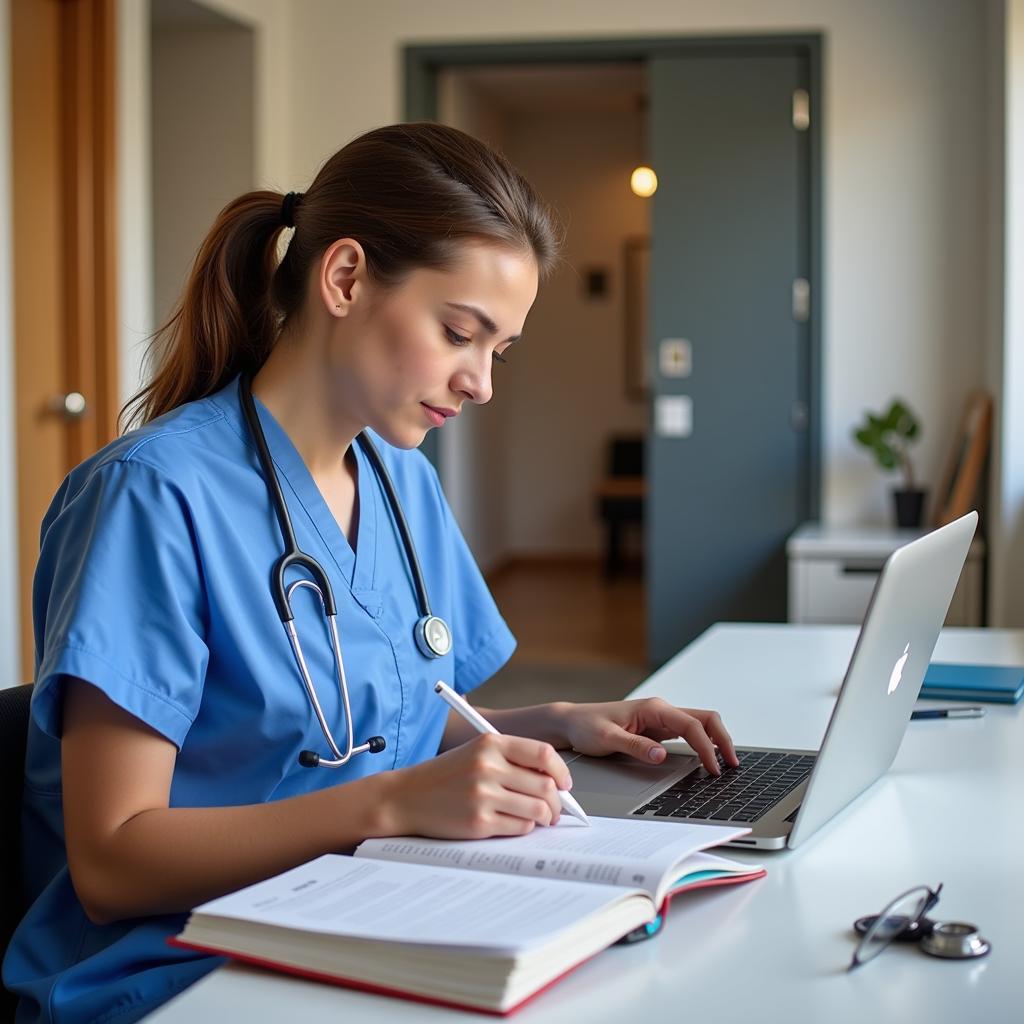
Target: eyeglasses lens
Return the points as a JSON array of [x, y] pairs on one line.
[[896, 917]]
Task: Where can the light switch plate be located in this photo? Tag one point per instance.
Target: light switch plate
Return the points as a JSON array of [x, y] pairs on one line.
[[675, 357], [673, 415]]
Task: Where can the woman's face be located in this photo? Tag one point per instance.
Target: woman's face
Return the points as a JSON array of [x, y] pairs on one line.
[[414, 354]]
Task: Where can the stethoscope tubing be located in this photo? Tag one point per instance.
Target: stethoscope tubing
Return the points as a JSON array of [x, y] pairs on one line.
[[403, 527], [293, 557]]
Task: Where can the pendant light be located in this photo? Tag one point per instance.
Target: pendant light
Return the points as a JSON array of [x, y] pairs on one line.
[[643, 181]]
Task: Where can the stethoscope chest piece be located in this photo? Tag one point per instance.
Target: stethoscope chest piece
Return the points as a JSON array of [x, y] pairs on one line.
[[433, 637], [955, 940]]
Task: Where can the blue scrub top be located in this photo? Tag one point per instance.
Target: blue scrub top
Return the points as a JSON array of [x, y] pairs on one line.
[[153, 585]]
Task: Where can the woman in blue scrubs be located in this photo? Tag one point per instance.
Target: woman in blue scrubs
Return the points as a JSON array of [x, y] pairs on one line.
[[168, 715]]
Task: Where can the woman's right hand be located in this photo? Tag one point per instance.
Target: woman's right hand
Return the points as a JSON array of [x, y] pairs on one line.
[[489, 786]]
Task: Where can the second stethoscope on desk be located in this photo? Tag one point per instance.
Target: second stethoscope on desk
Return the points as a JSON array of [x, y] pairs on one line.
[[432, 634]]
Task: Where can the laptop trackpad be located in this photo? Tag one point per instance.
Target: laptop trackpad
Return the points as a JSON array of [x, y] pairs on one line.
[[621, 777]]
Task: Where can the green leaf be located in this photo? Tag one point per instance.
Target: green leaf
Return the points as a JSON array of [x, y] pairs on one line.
[[886, 435]]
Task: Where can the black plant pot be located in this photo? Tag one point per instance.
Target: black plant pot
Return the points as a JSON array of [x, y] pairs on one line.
[[909, 508]]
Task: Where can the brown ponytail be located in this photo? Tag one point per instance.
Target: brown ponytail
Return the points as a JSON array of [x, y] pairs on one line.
[[411, 194]]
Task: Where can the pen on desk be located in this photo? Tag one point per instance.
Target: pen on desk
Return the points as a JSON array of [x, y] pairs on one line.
[[971, 711], [475, 719]]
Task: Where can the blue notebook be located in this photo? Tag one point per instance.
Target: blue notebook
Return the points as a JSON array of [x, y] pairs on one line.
[[994, 683]]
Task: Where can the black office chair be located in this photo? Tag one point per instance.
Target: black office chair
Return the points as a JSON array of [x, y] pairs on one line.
[[14, 705]]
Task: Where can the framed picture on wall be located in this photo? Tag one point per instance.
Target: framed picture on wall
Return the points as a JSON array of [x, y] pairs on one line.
[[636, 255], [958, 488]]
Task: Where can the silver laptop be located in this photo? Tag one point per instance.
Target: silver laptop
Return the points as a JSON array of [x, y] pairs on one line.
[[784, 796]]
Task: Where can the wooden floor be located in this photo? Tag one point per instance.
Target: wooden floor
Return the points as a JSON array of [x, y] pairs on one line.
[[566, 613]]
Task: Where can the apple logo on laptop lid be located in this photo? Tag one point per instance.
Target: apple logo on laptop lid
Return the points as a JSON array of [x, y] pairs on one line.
[[897, 669]]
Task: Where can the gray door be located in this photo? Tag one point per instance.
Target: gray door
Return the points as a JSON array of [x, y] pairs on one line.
[[729, 468]]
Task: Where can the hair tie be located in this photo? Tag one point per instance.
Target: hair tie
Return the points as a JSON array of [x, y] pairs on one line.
[[288, 205]]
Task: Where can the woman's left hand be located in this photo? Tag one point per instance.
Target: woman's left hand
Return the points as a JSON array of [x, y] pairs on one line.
[[635, 727]]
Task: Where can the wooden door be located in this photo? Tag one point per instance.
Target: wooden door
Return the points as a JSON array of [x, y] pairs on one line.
[[64, 231]]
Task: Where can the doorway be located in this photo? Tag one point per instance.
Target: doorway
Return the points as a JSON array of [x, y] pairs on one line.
[[533, 519], [688, 477]]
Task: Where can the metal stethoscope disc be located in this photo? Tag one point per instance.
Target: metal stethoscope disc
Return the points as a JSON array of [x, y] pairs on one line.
[[955, 940], [952, 940], [433, 636]]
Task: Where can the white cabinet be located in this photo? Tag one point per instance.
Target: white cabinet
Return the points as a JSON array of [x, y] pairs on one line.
[[832, 571]]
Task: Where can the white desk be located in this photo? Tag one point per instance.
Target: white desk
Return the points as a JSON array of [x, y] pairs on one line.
[[777, 950]]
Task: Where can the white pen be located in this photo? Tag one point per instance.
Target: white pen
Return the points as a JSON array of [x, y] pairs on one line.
[[461, 706]]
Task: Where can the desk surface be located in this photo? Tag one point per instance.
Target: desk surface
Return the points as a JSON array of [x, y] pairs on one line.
[[777, 949]]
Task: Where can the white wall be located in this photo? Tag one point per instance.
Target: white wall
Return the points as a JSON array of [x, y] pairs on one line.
[[202, 134], [271, 22], [1008, 585], [134, 203], [10, 618]]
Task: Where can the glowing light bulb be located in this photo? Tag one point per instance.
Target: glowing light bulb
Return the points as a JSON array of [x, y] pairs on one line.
[[644, 182]]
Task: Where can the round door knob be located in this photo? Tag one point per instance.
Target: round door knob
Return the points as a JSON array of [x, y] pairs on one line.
[[71, 406]]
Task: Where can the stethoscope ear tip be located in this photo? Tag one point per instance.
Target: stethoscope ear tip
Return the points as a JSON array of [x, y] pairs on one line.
[[309, 758], [376, 744]]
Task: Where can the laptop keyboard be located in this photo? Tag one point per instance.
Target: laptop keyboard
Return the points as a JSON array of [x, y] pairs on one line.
[[738, 794]]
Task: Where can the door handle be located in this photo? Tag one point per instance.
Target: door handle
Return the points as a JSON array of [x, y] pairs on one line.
[[71, 406]]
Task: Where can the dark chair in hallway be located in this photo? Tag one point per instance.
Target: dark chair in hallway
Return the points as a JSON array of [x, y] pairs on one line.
[[620, 496]]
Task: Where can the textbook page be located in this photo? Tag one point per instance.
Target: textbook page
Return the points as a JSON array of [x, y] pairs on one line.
[[613, 851], [411, 903]]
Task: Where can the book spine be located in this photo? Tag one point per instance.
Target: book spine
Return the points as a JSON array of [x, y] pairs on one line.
[[987, 696]]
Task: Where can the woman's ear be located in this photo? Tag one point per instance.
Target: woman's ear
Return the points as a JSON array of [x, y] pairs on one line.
[[342, 276]]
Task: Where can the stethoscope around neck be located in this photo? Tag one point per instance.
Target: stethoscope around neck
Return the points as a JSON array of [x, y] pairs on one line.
[[432, 634]]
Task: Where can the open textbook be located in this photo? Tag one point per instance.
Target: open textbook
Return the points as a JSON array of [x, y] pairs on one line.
[[482, 924]]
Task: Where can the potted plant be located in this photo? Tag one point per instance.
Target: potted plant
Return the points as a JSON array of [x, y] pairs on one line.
[[888, 437]]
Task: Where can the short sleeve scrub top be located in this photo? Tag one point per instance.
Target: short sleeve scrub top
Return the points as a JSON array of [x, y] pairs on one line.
[[153, 586]]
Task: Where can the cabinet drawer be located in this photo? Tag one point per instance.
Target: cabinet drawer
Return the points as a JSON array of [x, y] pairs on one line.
[[833, 591], [837, 592]]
